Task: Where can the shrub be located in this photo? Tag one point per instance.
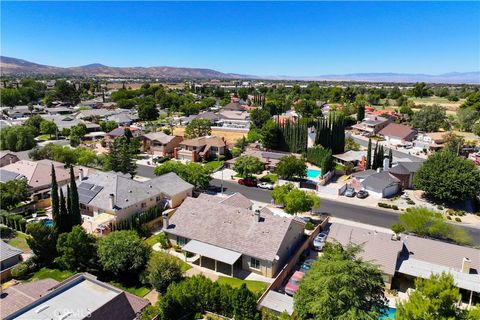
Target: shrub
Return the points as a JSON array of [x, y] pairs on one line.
[[7, 232], [163, 269], [449, 218], [440, 207], [397, 228], [164, 243], [394, 207], [411, 202], [21, 270], [309, 226], [457, 219]]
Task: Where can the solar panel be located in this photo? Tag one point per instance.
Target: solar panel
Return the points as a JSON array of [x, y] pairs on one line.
[[85, 185], [87, 191], [97, 189]]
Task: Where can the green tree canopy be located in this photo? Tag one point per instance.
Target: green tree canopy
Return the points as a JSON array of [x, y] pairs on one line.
[[77, 250], [192, 172], [198, 128], [279, 192], [447, 177], [259, 117], [147, 111], [430, 118], [340, 286], [123, 252], [290, 167], [297, 201], [472, 101], [17, 138], [248, 165], [162, 270], [42, 240], [48, 127], [13, 192]]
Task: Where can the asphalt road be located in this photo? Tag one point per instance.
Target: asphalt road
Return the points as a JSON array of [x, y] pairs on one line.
[[372, 216]]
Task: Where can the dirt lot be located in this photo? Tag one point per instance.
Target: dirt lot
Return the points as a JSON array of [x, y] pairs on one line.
[[230, 136]]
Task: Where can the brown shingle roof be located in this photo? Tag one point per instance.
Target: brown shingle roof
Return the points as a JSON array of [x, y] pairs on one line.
[[397, 131], [213, 141]]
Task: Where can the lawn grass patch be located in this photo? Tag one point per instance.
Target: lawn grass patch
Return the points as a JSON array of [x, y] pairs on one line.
[[55, 274], [270, 178], [214, 165], [256, 287], [139, 291], [20, 242]]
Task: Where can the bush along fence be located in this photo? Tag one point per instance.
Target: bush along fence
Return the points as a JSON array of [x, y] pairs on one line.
[[14, 221], [321, 157], [138, 220]]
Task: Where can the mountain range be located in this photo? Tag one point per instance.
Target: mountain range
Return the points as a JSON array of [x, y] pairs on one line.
[[14, 66]]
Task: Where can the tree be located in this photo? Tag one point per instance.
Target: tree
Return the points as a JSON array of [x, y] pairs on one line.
[[17, 138], [453, 142], [472, 101], [121, 156], [369, 155], [430, 118], [122, 253], [361, 112], [244, 304], [42, 240], [108, 126], [79, 130], [247, 165], [421, 90], [297, 201], [34, 121], [425, 222], [350, 144], [271, 135], [13, 192], [163, 269], [193, 173], [476, 128], [433, 298], [447, 177], [467, 118], [73, 201], [64, 220], [327, 292], [76, 250], [148, 112], [290, 166], [9, 97], [54, 199], [48, 127], [279, 192], [259, 117], [198, 128]]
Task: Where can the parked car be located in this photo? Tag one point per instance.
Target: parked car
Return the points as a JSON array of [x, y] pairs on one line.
[[294, 283], [249, 182], [319, 241], [362, 194], [265, 185], [350, 192], [306, 265]]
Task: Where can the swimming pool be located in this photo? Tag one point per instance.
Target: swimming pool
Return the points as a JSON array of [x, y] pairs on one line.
[[47, 222], [313, 173], [390, 313]]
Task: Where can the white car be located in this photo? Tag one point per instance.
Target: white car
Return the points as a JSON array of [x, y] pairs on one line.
[[265, 185], [319, 241]]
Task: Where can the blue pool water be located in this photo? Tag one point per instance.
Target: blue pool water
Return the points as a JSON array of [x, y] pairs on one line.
[[313, 173], [390, 313], [48, 222]]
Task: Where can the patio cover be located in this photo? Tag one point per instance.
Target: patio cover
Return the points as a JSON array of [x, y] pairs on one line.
[[423, 269], [212, 252], [278, 302]]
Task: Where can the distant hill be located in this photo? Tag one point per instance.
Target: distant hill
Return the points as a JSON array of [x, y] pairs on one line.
[[14, 66], [19, 66]]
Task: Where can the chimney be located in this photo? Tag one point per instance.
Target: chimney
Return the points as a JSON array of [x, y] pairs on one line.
[[112, 200], [379, 169], [466, 264], [257, 215], [165, 220], [11, 160], [386, 163], [80, 176]]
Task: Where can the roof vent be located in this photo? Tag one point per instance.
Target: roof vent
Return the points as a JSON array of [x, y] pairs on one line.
[[42, 308], [130, 191]]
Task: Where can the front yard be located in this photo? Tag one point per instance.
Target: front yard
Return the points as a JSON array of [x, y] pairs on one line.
[[20, 242], [214, 165]]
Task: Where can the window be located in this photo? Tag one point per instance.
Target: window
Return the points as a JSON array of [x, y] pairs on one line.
[[144, 205], [181, 241], [254, 263], [159, 198], [215, 149]]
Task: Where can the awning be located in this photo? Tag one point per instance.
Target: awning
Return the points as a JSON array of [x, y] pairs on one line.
[[103, 218], [278, 302], [212, 252], [423, 269]]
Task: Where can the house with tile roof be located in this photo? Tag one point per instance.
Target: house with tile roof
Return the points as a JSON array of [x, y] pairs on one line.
[[398, 134], [107, 197], [232, 239], [371, 125], [81, 296], [159, 143], [201, 148], [7, 157]]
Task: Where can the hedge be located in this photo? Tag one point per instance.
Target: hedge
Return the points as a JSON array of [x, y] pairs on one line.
[[138, 220]]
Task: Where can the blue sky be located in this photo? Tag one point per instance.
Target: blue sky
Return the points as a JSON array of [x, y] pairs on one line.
[[276, 38]]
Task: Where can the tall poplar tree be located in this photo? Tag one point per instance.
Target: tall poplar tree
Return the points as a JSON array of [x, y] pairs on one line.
[[390, 157], [54, 199], [369, 155], [64, 218], [74, 204], [375, 158]]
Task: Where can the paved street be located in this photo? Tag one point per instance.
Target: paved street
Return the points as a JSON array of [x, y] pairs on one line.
[[376, 217]]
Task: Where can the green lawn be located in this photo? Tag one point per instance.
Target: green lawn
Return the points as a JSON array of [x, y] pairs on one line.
[[54, 274], [214, 164], [20, 242], [136, 290], [44, 137], [257, 287], [150, 241]]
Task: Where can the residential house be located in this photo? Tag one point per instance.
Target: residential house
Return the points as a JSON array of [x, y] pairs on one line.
[[124, 119], [202, 148], [371, 125], [431, 141], [7, 157], [352, 156], [380, 184], [270, 159], [405, 172], [234, 119], [37, 174], [120, 131], [81, 296], [58, 111], [17, 112], [227, 238], [398, 134], [233, 106], [386, 113], [107, 197], [9, 257], [68, 121], [237, 200], [159, 143]]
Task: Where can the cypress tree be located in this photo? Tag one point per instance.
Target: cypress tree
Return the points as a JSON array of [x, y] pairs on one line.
[[380, 156], [361, 113], [64, 219], [69, 201], [390, 157], [369, 155], [375, 158], [54, 199], [73, 201]]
